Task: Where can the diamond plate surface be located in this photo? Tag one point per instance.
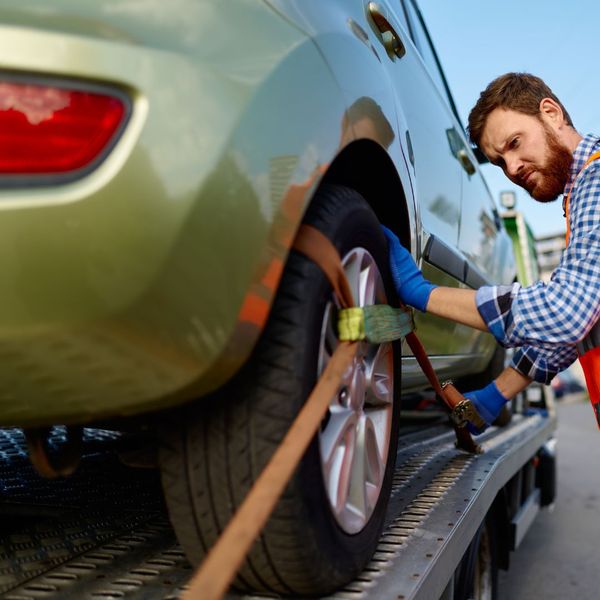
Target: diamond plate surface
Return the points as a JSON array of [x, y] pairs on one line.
[[102, 533]]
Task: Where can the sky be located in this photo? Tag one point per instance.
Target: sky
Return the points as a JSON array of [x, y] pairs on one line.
[[557, 40]]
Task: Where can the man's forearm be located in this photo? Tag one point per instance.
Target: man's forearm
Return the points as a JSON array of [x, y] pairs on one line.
[[510, 382], [457, 305]]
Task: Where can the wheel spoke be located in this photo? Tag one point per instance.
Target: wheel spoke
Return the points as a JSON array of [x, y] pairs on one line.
[[380, 419], [375, 449], [340, 479], [337, 443], [368, 285], [357, 500], [380, 384], [352, 268]]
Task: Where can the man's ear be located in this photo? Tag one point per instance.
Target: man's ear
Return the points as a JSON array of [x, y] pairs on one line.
[[552, 113]]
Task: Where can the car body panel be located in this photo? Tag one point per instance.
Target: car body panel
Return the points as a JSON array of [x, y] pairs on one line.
[[146, 283], [116, 282]]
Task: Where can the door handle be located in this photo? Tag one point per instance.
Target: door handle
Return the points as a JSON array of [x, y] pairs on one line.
[[457, 147], [390, 39], [465, 161]]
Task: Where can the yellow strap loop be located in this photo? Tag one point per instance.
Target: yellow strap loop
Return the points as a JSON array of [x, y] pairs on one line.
[[351, 324], [377, 323]]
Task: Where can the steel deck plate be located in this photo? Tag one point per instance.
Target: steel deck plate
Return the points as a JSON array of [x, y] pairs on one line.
[[104, 532]]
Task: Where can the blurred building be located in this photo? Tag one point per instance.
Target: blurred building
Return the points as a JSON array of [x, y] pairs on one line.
[[549, 250]]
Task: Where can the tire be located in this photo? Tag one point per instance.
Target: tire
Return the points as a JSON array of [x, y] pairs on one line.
[[477, 575], [545, 475], [212, 451]]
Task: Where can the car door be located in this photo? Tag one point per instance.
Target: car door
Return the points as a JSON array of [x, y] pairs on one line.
[[428, 119], [482, 243], [439, 170]]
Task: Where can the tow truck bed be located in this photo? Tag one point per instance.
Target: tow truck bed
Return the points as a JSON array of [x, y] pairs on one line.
[[104, 533]]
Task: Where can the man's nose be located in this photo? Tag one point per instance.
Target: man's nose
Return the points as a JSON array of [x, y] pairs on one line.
[[513, 166]]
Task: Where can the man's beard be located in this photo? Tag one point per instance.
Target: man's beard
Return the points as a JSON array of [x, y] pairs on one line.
[[553, 176]]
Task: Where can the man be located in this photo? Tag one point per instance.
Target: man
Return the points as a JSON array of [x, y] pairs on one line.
[[522, 127]]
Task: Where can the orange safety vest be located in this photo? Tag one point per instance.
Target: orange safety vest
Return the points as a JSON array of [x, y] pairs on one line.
[[589, 348]]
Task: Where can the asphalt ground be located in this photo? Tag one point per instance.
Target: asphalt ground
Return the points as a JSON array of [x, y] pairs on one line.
[[559, 557]]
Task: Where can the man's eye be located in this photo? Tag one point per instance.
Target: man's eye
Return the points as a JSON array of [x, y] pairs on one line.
[[514, 143]]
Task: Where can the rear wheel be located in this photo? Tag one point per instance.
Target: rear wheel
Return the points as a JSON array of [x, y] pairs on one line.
[[477, 574], [327, 523]]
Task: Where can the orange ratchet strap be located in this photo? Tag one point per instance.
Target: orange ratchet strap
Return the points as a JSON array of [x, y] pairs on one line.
[[217, 571]]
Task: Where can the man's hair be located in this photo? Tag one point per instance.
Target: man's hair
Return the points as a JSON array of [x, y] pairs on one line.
[[515, 91]]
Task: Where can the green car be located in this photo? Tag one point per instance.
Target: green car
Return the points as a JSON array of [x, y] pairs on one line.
[[157, 160]]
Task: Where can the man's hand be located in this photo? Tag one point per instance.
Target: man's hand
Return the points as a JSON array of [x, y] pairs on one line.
[[413, 289], [489, 402]]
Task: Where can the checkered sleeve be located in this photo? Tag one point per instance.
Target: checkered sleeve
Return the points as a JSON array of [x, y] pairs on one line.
[[546, 320], [542, 364], [495, 307]]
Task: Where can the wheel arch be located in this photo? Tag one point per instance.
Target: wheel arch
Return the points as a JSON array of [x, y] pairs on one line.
[[367, 168]]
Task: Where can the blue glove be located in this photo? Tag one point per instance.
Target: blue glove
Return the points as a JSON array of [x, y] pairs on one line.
[[489, 402], [413, 289]]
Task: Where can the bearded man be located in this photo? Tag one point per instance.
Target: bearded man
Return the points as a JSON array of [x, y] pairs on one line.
[[522, 127]]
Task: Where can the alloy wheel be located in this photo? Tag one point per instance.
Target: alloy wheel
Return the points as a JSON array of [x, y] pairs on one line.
[[355, 436]]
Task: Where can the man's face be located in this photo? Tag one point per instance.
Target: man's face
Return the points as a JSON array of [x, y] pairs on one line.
[[529, 152]]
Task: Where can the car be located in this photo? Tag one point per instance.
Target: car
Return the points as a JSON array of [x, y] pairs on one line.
[[157, 161], [565, 383]]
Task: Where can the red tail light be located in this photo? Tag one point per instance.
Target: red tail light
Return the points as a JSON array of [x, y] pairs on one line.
[[55, 130]]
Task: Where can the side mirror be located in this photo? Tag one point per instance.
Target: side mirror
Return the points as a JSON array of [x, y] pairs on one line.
[[508, 200]]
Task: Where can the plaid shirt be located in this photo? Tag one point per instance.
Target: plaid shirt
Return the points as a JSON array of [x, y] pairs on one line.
[[546, 320]]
